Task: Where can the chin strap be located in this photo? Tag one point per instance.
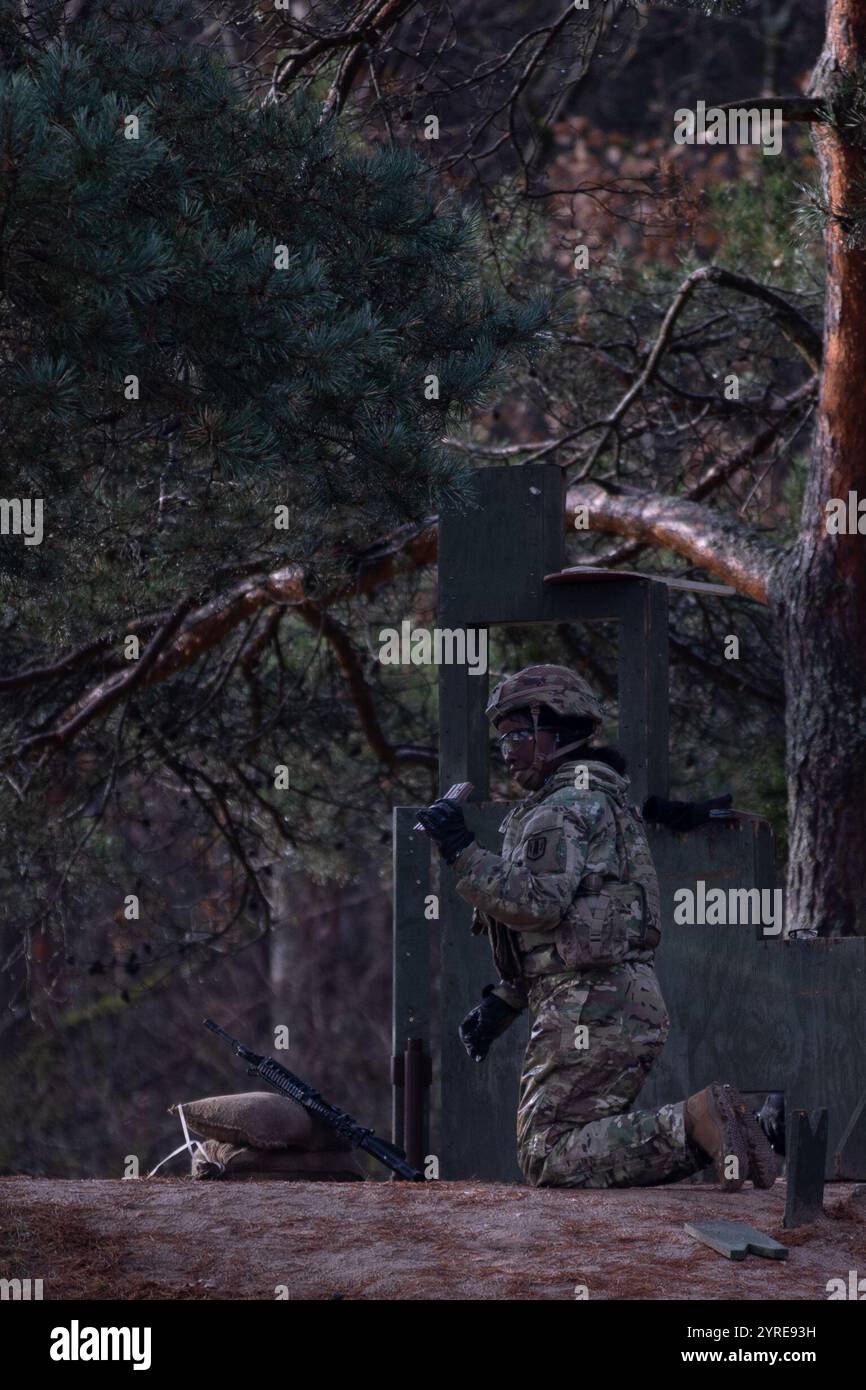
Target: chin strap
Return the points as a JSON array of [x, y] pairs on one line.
[[531, 774]]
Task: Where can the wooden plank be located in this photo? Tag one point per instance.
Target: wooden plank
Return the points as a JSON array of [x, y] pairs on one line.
[[594, 574], [643, 689], [464, 732], [411, 946], [492, 558], [478, 1099], [806, 1156], [760, 1013], [850, 1156], [657, 695], [736, 1239]]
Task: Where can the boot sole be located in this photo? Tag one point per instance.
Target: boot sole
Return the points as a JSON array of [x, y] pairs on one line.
[[762, 1161], [735, 1144]]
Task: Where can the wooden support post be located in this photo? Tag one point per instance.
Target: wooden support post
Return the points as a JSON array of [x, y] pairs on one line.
[[806, 1159], [463, 737], [643, 688], [411, 960], [849, 1159], [417, 1075]]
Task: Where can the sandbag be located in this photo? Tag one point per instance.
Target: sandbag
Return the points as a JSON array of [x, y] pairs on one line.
[[260, 1120], [216, 1161]]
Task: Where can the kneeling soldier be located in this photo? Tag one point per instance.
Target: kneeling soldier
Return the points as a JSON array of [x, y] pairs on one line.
[[571, 908]]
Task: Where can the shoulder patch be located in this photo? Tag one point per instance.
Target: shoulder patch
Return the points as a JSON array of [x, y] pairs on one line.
[[536, 846]]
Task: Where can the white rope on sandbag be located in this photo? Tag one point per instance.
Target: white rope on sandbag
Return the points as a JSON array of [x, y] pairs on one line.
[[190, 1145]]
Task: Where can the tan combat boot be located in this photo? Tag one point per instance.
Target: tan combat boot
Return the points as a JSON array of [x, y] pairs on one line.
[[713, 1122]]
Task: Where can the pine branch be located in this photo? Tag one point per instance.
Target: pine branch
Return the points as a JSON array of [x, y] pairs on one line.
[[180, 645]]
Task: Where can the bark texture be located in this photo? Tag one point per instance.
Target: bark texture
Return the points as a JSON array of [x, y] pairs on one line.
[[820, 594]]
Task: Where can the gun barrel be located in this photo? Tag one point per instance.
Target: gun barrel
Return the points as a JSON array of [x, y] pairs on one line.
[[236, 1046], [221, 1032], [392, 1157]]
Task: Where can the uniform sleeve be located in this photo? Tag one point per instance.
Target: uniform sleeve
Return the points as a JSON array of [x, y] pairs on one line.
[[512, 992], [532, 891]]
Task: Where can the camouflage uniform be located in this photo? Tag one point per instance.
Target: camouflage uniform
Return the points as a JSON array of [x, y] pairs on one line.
[[571, 907]]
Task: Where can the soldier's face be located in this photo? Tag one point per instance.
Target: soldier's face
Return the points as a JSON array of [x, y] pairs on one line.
[[519, 752]]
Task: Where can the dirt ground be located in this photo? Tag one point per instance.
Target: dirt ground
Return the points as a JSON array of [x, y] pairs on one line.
[[170, 1238]]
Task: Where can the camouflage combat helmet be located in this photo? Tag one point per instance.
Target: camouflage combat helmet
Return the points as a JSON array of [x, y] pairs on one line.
[[555, 688]]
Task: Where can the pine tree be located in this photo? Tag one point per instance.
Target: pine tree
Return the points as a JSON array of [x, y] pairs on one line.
[[211, 310]]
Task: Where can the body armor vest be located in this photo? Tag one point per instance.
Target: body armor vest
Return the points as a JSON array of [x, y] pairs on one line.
[[614, 913]]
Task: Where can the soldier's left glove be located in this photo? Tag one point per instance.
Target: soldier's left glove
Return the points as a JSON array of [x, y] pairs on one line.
[[688, 815], [444, 823], [771, 1118], [483, 1024]]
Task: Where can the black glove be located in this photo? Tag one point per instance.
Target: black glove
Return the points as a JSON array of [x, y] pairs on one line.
[[688, 815], [771, 1118], [444, 823], [486, 1022]]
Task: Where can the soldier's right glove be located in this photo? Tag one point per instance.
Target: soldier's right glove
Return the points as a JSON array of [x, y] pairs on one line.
[[483, 1024], [445, 825]]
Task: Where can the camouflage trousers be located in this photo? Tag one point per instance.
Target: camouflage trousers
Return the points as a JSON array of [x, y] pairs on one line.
[[594, 1039]]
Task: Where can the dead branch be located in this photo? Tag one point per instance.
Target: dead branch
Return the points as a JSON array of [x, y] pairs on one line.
[[180, 644], [797, 108], [723, 470], [362, 696], [796, 327], [124, 683]]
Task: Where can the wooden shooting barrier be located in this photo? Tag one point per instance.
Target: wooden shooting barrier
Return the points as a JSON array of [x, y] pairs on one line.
[[762, 1013]]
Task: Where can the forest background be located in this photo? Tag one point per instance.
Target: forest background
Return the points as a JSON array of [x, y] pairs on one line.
[[553, 129]]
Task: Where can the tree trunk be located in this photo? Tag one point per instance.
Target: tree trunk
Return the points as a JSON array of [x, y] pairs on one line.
[[820, 593]]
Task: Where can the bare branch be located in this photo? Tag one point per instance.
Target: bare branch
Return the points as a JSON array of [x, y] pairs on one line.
[[723, 470], [180, 644], [795, 325], [109, 694], [360, 691]]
